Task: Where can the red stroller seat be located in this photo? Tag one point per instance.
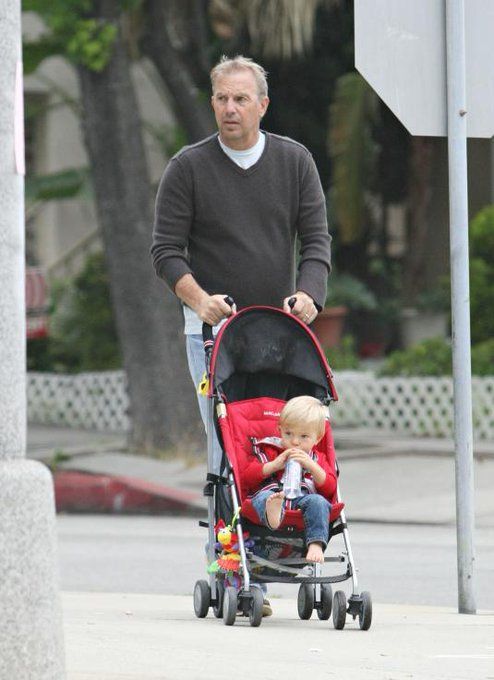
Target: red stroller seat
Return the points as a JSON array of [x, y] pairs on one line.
[[258, 418]]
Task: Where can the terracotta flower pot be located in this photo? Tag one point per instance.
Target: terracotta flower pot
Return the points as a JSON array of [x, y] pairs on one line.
[[328, 325]]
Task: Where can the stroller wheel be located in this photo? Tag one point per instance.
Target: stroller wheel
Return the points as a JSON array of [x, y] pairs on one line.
[[326, 605], [220, 594], [202, 599], [229, 606], [255, 608], [365, 614], [305, 601], [339, 610]]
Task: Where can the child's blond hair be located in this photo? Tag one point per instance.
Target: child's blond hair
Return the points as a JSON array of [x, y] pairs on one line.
[[307, 411]]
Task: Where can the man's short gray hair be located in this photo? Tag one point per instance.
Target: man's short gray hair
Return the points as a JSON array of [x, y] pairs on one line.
[[239, 63]]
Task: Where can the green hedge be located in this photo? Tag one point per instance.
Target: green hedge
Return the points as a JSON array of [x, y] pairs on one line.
[[433, 357], [481, 237], [343, 357]]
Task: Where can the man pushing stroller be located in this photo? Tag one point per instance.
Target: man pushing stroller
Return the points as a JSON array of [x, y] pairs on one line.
[[302, 425]]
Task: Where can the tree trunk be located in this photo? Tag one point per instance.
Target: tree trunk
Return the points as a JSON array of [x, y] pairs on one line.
[[191, 111], [422, 149], [164, 411]]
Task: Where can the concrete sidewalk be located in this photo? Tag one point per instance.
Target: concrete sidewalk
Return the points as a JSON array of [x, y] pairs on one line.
[[157, 637], [383, 479]]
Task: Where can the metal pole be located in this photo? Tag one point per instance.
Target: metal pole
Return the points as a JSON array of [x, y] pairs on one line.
[[460, 300]]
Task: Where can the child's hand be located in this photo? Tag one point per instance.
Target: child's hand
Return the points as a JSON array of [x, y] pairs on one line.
[[280, 461], [317, 472], [301, 457]]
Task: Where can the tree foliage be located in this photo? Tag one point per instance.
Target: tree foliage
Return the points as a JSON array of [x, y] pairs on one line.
[[482, 274], [35, 52], [82, 38], [58, 185], [433, 357], [82, 327], [278, 30], [353, 150]]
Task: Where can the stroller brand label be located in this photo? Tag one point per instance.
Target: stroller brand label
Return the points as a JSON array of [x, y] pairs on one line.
[[271, 413]]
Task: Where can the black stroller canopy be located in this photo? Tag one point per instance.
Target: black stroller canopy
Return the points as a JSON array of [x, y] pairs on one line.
[[262, 351]]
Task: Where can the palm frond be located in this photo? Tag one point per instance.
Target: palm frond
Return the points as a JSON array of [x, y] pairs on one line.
[[279, 29], [58, 185], [352, 150]]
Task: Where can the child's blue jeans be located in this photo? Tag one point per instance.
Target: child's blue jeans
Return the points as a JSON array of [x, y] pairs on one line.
[[315, 510]]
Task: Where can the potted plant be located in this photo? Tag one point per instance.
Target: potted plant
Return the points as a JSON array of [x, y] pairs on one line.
[[346, 294], [428, 318]]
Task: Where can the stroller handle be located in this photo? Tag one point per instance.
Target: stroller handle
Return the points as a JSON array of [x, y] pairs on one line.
[[207, 332]]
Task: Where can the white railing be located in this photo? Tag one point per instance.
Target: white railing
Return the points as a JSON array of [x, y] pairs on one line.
[[415, 406], [93, 401]]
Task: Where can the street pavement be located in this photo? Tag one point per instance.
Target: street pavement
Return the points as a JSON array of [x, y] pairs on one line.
[[162, 554], [383, 480], [156, 637]]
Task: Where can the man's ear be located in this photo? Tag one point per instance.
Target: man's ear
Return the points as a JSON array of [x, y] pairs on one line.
[[264, 106]]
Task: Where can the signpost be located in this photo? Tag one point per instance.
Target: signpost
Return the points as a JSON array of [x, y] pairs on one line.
[[400, 49], [433, 66]]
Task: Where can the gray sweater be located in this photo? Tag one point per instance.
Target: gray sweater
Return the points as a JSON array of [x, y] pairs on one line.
[[235, 230]]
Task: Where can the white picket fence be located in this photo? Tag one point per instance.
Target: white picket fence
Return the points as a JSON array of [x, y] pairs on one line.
[[417, 406], [92, 401], [414, 406]]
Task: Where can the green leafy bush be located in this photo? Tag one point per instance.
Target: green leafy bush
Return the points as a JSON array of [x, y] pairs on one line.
[[482, 275], [434, 357], [343, 357], [82, 329], [430, 357], [345, 289], [483, 358], [84, 39]]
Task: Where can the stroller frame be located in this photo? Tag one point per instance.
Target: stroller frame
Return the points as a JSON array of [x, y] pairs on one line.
[[248, 599]]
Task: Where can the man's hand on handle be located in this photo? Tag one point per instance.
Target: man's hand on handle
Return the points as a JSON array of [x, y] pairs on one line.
[[304, 307], [212, 309]]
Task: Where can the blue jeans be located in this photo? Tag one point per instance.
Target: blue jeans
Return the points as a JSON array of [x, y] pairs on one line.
[[315, 510], [197, 366]]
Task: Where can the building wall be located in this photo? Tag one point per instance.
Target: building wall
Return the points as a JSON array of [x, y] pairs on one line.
[[58, 226]]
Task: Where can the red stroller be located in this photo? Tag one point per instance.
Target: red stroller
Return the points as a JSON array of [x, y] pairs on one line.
[[261, 358]]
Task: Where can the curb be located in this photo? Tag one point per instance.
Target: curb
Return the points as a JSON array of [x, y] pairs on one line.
[[85, 492]]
